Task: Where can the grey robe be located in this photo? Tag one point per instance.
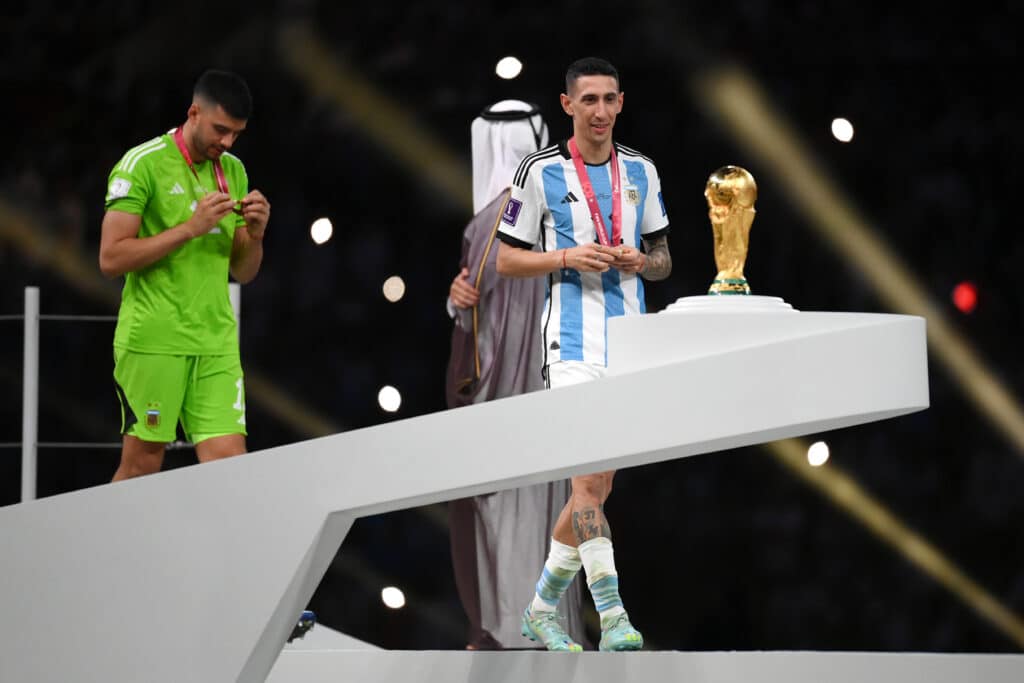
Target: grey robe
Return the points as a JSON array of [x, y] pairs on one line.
[[500, 541]]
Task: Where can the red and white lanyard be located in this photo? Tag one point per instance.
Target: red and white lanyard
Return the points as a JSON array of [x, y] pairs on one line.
[[588, 192]]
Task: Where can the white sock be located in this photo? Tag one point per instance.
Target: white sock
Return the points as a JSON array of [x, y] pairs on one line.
[[559, 570], [598, 560]]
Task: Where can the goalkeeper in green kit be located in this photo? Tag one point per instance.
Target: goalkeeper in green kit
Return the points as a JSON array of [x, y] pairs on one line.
[[180, 217]]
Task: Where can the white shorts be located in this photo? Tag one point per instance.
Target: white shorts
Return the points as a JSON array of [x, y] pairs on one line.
[[566, 372]]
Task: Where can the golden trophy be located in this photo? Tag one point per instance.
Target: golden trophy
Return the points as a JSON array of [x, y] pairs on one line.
[[731, 192]]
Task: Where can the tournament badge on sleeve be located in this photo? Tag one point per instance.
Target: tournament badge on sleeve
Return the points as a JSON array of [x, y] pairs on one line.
[[511, 213]]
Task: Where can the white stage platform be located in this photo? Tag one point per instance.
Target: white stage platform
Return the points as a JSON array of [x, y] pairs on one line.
[[325, 639], [198, 574], [644, 667]]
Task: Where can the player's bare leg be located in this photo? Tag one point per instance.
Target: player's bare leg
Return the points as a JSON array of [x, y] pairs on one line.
[[218, 447], [585, 505], [586, 526], [139, 457]]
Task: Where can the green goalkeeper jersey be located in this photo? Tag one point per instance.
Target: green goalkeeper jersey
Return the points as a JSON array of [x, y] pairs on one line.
[[178, 305]]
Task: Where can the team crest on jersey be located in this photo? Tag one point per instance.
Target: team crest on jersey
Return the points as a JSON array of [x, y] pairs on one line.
[[511, 213], [153, 415], [632, 194], [118, 188]]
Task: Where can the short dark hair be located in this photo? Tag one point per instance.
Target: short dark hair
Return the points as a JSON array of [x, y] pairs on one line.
[[589, 66], [227, 89]]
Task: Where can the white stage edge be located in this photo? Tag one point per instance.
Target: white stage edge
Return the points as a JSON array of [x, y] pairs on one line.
[[644, 667], [199, 573], [326, 639]]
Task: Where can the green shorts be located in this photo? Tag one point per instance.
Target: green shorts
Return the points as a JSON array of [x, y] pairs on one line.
[[205, 393]]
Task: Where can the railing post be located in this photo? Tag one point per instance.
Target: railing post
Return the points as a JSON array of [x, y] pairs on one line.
[[235, 293], [30, 397]]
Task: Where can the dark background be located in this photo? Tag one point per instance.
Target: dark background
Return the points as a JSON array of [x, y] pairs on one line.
[[721, 551]]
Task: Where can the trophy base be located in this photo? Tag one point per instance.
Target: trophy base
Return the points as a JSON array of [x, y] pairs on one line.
[[729, 286], [716, 303]]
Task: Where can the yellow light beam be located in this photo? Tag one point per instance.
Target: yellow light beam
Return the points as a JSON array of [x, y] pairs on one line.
[[735, 99], [40, 247], [847, 494], [394, 129]]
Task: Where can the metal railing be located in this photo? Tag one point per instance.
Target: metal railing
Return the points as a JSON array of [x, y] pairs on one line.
[[30, 443]]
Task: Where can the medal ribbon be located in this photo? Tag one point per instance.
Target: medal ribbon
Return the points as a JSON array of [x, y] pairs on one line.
[[588, 192], [218, 170]]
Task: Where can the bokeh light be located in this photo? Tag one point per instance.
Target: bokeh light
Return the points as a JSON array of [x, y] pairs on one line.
[[394, 288], [817, 454], [965, 297], [508, 68], [321, 230], [842, 129], [393, 597], [389, 399]]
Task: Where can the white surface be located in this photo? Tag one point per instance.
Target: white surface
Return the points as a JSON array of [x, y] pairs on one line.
[[322, 638], [218, 560], [30, 397], [645, 667], [713, 326], [729, 303], [235, 294]]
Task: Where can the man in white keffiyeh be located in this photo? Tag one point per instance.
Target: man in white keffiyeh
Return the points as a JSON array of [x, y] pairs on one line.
[[498, 539]]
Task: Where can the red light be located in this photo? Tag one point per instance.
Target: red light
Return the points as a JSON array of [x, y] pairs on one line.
[[965, 297]]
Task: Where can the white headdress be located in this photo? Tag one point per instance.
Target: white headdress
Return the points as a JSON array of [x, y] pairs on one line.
[[502, 135]]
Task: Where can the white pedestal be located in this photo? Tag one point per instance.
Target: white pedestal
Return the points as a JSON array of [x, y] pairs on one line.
[[729, 303]]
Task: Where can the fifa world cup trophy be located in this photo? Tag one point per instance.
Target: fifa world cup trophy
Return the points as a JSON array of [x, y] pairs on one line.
[[731, 192]]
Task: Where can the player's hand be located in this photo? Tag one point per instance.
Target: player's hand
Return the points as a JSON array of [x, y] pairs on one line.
[[628, 259], [589, 258], [209, 210], [256, 212], [463, 294]]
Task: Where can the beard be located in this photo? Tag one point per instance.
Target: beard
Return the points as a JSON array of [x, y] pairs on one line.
[[206, 150]]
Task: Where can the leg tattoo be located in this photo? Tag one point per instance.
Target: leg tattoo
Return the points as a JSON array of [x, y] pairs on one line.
[[590, 523]]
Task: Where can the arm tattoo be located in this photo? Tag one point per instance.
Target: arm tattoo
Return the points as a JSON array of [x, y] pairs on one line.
[[659, 261], [590, 523]]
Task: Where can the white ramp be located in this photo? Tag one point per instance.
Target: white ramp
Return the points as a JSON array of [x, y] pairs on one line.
[[217, 561]]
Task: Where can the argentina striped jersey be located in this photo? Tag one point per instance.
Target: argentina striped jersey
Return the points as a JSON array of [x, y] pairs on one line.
[[548, 208]]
